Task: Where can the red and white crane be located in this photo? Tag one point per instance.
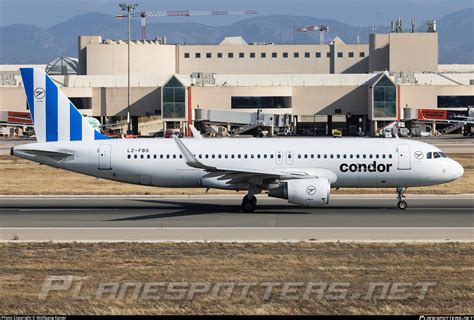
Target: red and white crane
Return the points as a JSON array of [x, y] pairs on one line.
[[181, 13], [321, 29]]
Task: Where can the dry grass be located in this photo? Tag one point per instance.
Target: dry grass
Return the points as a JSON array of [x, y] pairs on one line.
[[21, 177], [23, 268]]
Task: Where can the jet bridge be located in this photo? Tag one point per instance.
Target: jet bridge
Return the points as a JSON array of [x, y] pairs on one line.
[[241, 122]]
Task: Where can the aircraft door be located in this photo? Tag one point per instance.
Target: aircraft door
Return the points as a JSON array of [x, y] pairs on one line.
[[105, 151], [279, 157], [289, 157], [404, 162]]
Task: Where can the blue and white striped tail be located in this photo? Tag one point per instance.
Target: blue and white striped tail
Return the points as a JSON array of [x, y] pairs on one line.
[[54, 116]]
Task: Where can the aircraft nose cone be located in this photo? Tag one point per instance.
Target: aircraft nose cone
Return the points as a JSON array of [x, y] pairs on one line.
[[457, 170]]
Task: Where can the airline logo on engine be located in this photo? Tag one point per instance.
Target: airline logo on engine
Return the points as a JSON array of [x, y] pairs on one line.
[[365, 167], [311, 190]]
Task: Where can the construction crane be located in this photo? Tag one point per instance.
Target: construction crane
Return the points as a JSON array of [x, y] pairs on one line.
[[321, 29], [180, 13]]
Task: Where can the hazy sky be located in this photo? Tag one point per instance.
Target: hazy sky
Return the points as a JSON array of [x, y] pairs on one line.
[[45, 13]]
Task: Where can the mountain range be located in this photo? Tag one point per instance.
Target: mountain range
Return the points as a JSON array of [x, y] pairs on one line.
[[22, 43]]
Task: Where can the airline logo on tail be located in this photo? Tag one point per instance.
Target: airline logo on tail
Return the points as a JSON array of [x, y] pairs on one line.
[[55, 118]]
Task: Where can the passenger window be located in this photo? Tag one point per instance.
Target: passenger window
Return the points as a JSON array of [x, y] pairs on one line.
[[135, 156], [206, 156], [245, 156], [344, 156], [363, 156], [306, 156], [299, 156], [383, 156], [390, 156], [319, 156], [213, 156], [225, 156], [271, 156], [265, 156], [312, 156], [232, 156], [332, 156], [238, 156], [338, 156], [161, 156], [258, 156], [251, 156], [351, 156], [129, 156], [181, 156], [154, 156], [148, 156], [219, 156], [376, 156], [167, 156], [279, 156], [325, 156], [141, 156], [357, 156]]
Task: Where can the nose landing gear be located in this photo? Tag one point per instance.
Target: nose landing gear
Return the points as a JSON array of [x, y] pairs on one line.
[[249, 203], [402, 204]]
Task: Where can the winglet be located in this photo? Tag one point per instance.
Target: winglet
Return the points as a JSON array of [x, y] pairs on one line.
[[196, 133], [189, 158]]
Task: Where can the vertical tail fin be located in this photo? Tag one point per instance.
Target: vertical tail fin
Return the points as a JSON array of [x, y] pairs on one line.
[[54, 116]]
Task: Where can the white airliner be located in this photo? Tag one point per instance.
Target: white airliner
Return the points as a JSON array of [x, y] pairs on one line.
[[302, 170]]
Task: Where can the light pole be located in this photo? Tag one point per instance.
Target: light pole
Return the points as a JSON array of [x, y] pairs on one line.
[[129, 7]]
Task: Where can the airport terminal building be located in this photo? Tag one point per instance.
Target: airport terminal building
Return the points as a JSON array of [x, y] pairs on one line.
[[350, 86]]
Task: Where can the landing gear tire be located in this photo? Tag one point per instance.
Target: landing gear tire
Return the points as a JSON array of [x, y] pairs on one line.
[[249, 204], [402, 205]]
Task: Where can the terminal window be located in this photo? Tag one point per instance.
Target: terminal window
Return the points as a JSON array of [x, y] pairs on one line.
[[328, 54], [252, 54], [306, 54], [174, 97], [274, 55], [385, 99], [296, 54], [318, 54], [197, 55], [263, 55], [241, 55], [455, 101], [340, 54], [219, 54], [260, 102], [230, 55], [285, 54], [186, 55], [208, 55], [351, 54], [361, 54]]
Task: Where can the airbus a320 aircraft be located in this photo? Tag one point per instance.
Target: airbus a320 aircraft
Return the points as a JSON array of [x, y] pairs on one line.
[[302, 170]]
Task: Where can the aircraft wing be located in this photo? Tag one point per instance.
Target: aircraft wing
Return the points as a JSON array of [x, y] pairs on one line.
[[239, 174]]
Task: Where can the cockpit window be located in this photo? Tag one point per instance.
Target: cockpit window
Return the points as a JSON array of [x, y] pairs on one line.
[[436, 155], [442, 154], [428, 155]]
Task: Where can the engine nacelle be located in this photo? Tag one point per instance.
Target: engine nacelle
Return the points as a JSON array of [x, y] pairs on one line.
[[305, 192]]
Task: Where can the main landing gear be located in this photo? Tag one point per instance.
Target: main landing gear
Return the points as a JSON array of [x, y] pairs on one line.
[[402, 204], [249, 203]]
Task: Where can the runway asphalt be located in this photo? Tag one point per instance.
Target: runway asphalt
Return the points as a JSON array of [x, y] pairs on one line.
[[218, 218]]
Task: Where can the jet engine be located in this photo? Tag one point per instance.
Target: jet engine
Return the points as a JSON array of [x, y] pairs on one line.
[[306, 192]]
